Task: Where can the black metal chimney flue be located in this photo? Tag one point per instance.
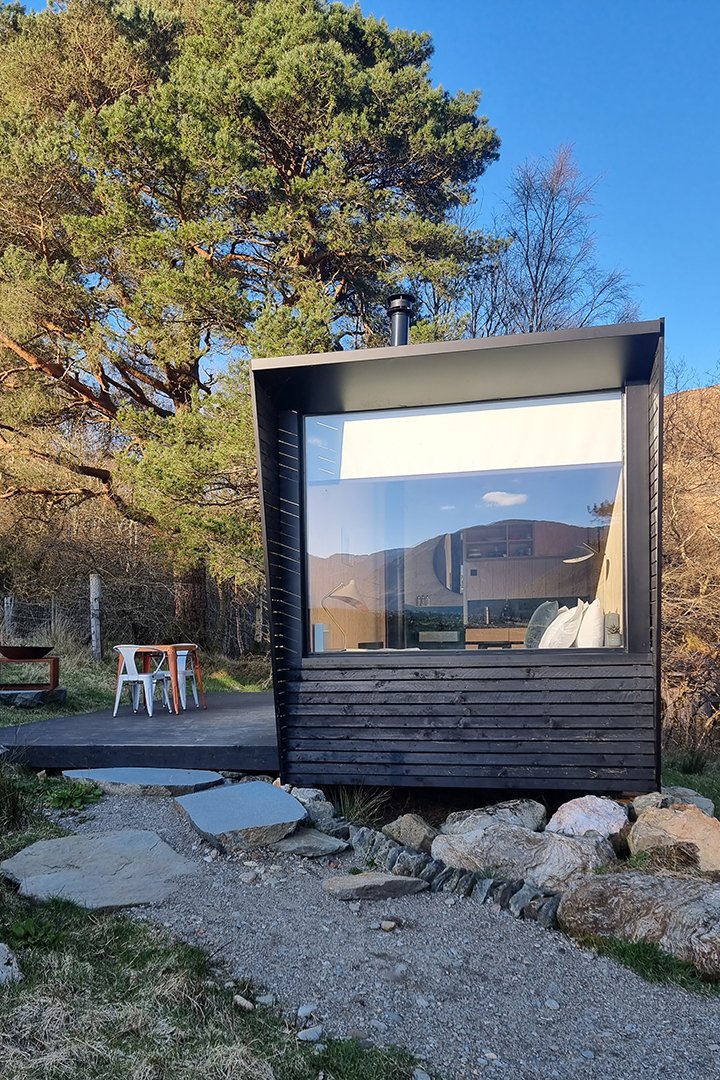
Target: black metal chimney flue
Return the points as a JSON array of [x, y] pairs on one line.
[[399, 307]]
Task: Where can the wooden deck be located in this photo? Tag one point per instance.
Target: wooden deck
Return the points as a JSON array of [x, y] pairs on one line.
[[237, 731]]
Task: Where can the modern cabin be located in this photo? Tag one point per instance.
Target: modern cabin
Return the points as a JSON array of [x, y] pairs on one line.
[[462, 545]]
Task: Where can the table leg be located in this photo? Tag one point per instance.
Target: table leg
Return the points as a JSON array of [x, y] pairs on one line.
[[54, 671], [172, 665], [197, 676]]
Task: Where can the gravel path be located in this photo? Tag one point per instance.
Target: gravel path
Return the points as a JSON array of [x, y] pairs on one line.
[[466, 987]]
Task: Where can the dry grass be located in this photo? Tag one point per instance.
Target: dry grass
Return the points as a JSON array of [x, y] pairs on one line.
[[117, 1000]]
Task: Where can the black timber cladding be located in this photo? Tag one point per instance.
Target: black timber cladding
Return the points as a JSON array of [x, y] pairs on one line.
[[513, 719]]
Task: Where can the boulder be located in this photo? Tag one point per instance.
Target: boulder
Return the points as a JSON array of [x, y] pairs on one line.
[[372, 886], [679, 915], [320, 811], [309, 842], [686, 824], [588, 814], [240, 817], [652, 801], [412, 831], [99, 870], [9, 968], [687, 797], [525, 812], [546, 860]]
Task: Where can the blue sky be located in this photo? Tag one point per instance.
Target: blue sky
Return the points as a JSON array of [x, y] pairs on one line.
[[634, 85]]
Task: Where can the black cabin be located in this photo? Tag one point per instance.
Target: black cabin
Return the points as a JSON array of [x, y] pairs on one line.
[[462, 547]]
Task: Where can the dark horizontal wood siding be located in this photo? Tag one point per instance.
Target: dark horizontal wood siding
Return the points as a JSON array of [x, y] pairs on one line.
[[553, 720], [539, 721]]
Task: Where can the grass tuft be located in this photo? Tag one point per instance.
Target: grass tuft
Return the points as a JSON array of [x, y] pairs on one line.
[[361, 805], [653, 964]]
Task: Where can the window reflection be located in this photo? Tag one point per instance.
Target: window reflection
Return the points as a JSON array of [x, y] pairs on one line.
[[473, 527]]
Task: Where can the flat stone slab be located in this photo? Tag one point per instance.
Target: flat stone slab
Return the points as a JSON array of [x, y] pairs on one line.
[[239, 817], [99, 870], [372, 886], [309, 842], [147, 781]]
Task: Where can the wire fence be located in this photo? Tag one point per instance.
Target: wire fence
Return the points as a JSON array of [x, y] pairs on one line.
[[230, 620]]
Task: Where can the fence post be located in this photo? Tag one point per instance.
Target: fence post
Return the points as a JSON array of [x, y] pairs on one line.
[[95, 635], [8, 612], [53, 616]]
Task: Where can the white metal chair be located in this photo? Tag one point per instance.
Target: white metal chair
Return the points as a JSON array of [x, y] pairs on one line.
[[184, 673], [129, 673]]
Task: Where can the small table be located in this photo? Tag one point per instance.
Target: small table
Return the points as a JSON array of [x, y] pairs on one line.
[[171, 652], [53, 661]]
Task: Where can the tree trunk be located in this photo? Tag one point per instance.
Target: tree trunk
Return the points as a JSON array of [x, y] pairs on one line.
[[191, 604]]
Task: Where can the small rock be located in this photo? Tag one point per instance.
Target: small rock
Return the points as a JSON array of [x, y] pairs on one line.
[[413, 831], [248, 876], [502, 892], [388, 925], [366, 1044], [305, 1011], [423, 1002], [547, 913], [9, 968], [482, 889], [654, 800], [311, 1034], [357, 1033], [379, 1026], [354, 905], [394, 1017], [309, 842], [551, 1003], [587, 1054], [420, 1074], [243, 1003], [441, 878], [372, 886], [521, 898], [265, 999], [431, 870]]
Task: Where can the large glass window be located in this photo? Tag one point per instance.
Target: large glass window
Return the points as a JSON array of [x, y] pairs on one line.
[[489, 526]]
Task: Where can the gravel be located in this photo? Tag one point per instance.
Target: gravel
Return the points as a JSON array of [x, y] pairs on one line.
[[467, 988]]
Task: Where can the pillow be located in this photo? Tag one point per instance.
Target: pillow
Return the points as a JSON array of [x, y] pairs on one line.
[[539, 621], [561, 633], [591, 634]]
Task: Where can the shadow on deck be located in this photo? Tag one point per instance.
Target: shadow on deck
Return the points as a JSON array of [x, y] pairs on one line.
[[237, 731]]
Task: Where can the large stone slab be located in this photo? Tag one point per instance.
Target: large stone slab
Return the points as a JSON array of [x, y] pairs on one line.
[[525, 812], [679, 915], [239, 817], [99, 870], [309, 842], [588, 814], [546, 860], [372, 886], [661, 827], [147, 781]]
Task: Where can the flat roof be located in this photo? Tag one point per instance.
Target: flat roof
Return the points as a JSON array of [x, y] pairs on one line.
[[477, 369]]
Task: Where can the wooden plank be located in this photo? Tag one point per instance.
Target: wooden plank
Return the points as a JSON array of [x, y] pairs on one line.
[[512, 736], [546, 763], [477, 698], [512, 715], [484, 686], [310, 777], [518, 773], [617, 663], [539, 751]]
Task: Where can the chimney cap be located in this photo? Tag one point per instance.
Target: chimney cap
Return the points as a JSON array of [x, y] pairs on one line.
[[400, 301]]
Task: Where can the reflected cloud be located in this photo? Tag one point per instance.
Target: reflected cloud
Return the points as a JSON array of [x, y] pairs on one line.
[[503, 498]]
